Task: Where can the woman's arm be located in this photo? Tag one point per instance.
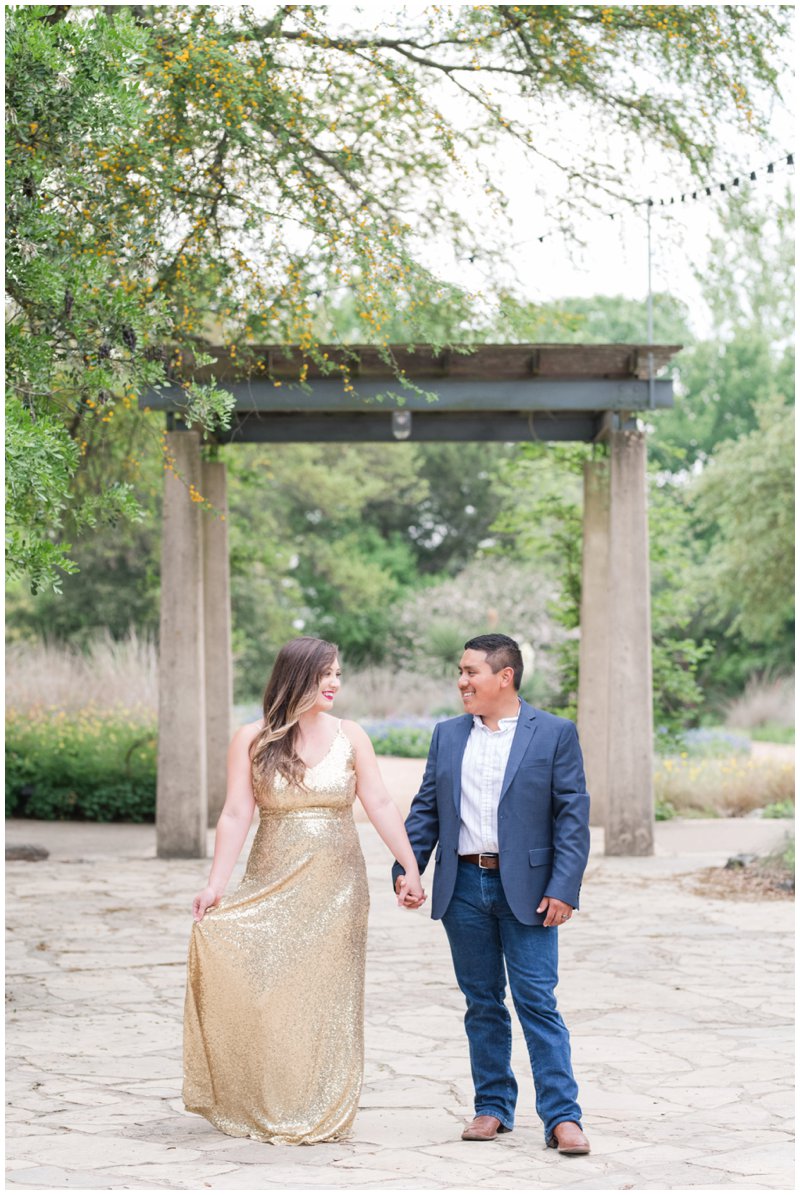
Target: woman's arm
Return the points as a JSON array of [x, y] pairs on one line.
[[381, 809], [234, 821]]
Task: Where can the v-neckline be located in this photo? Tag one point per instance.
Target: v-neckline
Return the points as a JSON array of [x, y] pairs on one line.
[[313, 766]]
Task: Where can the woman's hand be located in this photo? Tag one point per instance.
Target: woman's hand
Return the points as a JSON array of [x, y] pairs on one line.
[[204, 900], [410, 893]]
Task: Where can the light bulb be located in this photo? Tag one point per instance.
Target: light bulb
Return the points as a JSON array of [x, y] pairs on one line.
[[401, 424]]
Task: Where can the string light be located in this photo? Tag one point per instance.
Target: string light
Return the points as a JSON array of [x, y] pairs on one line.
[[770, 168], [687, 196]]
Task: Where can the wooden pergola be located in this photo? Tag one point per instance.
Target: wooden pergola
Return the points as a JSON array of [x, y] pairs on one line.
[[520, 392]]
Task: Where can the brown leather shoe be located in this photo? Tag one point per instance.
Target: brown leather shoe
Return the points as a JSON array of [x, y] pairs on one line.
[[567, 1138], [484, 1128]]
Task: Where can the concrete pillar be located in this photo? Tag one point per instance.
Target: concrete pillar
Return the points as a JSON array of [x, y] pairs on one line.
[[181, 802], [595, 634], [217, 625], [630, 809]]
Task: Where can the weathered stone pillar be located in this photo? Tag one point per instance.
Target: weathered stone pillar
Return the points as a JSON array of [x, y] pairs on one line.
[[217, 624], [181, 809], [630, 810], [595, 634]]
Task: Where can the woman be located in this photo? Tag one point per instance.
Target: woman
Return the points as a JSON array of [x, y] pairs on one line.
[[273, 1029]]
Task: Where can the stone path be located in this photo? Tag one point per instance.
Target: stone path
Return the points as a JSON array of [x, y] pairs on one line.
[[680, 1010]]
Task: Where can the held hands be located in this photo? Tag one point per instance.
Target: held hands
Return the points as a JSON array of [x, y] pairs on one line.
[[410, 893], [557, 912], [204, 900]]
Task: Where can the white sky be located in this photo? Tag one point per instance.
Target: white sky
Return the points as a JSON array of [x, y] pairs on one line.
[[613, 259]]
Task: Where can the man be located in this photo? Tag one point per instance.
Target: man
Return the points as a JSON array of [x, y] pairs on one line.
[[504, 798]]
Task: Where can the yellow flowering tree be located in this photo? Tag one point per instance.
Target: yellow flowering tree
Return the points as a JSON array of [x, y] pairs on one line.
[[186, 175]]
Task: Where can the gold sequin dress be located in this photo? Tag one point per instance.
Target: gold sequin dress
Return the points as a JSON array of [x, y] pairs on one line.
[[274, 1016]]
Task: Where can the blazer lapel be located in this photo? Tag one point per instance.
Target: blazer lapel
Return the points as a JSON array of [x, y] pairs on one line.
[[526, 727], [461, 733]]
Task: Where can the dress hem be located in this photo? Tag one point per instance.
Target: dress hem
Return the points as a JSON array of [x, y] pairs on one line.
[[271, 1138]]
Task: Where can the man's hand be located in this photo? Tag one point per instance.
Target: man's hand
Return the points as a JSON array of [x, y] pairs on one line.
[[558, 913], [406, 896]]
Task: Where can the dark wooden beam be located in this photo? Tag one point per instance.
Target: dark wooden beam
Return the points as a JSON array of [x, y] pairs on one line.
[[449, 394], [424, 362], [376, 427], [494, 392]]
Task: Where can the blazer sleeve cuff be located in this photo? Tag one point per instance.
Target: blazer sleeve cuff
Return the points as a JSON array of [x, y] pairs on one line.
[[568, 897], [397, 870]]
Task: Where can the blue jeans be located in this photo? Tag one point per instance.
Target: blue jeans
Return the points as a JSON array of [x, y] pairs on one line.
[[483, 932]]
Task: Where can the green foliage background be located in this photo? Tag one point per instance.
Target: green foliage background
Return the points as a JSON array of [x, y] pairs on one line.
[[332, 540]]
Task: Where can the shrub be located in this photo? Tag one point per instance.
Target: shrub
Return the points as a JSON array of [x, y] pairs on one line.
[[89, 765], [771, 732], [780, 809], [406, 737], [492, 593]]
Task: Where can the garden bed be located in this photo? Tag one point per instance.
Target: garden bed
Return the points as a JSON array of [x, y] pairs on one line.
[[88, 765], [769, 878]]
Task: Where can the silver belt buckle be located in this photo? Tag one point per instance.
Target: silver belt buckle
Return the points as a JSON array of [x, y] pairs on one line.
[[486, 855]]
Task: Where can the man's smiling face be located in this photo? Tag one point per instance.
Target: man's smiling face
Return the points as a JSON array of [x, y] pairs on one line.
[[481, 689]]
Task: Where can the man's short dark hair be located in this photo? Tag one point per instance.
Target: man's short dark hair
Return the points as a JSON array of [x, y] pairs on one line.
[[501, 652]]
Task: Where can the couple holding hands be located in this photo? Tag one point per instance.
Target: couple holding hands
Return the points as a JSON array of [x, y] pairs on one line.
[[274, 1017]]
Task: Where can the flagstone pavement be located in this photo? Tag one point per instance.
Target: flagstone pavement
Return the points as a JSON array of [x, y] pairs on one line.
[[680, 1009]]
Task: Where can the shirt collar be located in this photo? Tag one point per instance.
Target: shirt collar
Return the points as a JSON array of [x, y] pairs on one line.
[[502, 723]]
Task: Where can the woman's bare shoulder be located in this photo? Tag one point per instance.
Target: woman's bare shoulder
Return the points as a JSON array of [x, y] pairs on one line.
[[246, 734], [356, 734]]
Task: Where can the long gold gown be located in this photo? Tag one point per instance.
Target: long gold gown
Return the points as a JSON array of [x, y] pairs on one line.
[[274, 1015]]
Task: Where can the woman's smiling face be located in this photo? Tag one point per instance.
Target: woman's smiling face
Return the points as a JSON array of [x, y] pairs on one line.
[[329, 685]]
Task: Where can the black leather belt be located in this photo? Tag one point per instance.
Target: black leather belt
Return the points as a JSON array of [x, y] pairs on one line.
[[487, 862]]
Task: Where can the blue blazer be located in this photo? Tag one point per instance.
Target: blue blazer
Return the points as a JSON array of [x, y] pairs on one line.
[[542, 817]]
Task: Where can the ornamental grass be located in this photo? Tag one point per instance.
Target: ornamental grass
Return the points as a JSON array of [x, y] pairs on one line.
[[731, 787], [107, 672]]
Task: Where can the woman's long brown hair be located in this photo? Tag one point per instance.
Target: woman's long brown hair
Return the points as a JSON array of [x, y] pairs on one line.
[[291, 690]]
